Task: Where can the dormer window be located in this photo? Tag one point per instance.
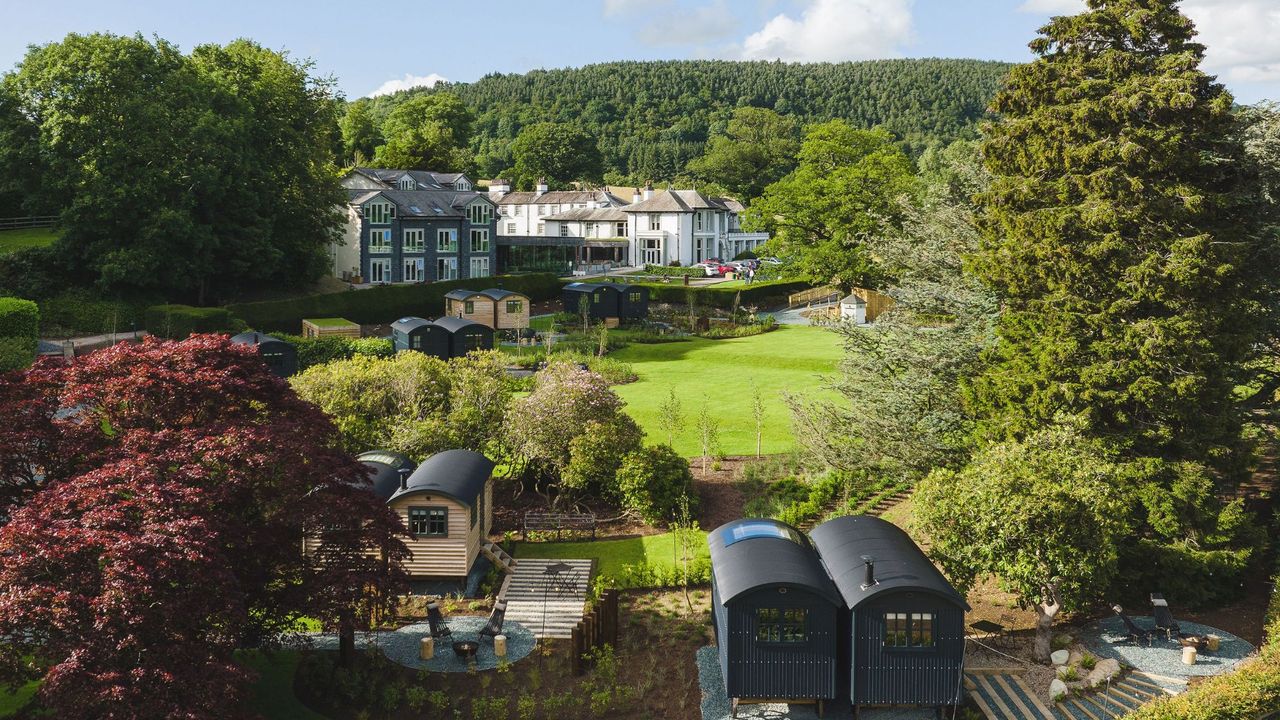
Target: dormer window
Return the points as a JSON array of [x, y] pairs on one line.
[[480, 213], [379, 212], [407, 183]]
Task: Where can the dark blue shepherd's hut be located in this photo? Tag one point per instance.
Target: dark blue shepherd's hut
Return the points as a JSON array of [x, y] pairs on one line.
[[633, 302], [466, 335], [601, 298], [419, 335], [775, 612], [279, 355], [903, 623]]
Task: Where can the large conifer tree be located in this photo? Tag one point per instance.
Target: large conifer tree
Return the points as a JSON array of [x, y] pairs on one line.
[[1122, 234]]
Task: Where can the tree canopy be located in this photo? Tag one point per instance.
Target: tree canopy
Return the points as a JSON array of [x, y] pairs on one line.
[[557, 152], [757, 148], [188, 176], [426, 132]]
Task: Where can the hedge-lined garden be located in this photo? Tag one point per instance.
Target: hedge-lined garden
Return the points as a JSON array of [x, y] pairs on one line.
[[19, 333], [382, 304], [759, 293]]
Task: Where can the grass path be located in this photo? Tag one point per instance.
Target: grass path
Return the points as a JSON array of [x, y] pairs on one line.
[[720, 372], [13, 240], [612, 555]]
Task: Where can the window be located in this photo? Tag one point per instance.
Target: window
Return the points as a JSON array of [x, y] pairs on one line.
[[479, 241], [620, 229], [479, 267], [542, 210], [429, 521], [511, 228], [634, 297], [447, 268], [590, 231], [564, 229], [413, 270], [469, 307], [514, 307], [519, 210], [447, 241], [782, 625], [415, 240], [379, 271], [908, 630], [379, 241], [480, 213], [407, 183], [655, 222], [542, 228], [697, 220], [379, 213]]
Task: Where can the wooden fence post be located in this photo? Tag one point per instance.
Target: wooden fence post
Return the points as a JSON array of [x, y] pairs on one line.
[[576, 642]]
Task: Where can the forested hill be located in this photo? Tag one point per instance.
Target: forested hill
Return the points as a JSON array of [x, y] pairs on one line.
[[653, 117]]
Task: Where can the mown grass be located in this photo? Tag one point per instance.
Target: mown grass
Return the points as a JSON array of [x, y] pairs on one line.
[[720, 373], [612, 555], [14, 240]]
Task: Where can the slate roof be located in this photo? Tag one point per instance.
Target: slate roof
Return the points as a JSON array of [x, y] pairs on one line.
[[421, 203], [561, 197], [459, 474], [251, 338], [683, 201], [609, 214], [900, 564], [518, 198], [781, 557]]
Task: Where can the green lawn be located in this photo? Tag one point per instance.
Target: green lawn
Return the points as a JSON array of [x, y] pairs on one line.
[[273, 696], [12, 240], [792, 358], [611, 555], [11, 703]]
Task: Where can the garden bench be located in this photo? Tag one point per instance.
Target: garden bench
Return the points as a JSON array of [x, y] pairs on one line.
[[558, 521]]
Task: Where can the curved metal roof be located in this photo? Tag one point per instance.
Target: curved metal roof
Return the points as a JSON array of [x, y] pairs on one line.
[[759, 553], [900, 564], [253, 338], [459, 474], [387, 467], [453, 324], [460, 294], [406, 324], [500, 293]]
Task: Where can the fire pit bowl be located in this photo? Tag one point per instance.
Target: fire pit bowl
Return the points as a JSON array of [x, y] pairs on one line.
[[466, 649]]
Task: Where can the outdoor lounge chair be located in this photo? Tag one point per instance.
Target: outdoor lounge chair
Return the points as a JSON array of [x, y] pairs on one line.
[[1164, 618], [439, 630], [496, 618], [1136, 633]]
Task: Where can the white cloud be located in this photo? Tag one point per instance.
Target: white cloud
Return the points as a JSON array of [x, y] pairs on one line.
[[831, 31], [695, 26], [625, 7], [1052, 7], [406, 82]]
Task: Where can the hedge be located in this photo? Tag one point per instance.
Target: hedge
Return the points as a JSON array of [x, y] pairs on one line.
[[324, 350], [385, 303], [81, 313], [19, 333], [674, 271], [176, 322], [760, 293]]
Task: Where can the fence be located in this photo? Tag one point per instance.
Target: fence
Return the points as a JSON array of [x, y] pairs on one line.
[[876, 302], [548, 521], [825, 293], [595, 630], [34, 221]]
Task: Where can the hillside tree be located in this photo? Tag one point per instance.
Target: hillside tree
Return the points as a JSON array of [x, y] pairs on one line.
[[556, 152], [758, 148], [427, 132]]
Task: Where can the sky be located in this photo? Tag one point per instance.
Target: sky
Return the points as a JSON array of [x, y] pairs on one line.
[[374, 48]]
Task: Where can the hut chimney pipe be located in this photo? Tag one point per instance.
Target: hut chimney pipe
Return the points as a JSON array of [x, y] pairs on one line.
[[404, 479], [870, 580]]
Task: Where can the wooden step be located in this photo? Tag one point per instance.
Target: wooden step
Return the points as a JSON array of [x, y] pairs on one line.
[[995, 696], [1075, 703]]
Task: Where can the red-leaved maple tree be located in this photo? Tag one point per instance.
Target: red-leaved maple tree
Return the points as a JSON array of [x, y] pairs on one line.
[[167, 530]]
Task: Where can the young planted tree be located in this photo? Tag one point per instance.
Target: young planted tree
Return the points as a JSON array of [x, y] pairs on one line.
[[671, 416], [1045, 516], [172, 537], [757, 414], [708, 434]]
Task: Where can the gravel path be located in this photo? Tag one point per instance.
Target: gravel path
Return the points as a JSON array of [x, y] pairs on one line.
[[1105, 638], [402, 645]]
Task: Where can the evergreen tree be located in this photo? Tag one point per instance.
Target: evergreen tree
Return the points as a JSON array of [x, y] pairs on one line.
[[1123, 235]]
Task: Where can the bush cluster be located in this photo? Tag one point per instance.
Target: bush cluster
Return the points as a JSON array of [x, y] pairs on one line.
[[723, 331], [383, 304], [81, 313], [651, 482], [758, 293], [176, 322], [19, 333], [1195, 577], [668, 271], [324, 350]]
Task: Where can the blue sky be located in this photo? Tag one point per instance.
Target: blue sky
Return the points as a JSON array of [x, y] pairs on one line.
[[378, 46]]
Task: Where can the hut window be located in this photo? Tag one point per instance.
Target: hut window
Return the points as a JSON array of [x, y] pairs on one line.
[[908, 629], [429, 521], [513, 306], [469, 307], [475, 513], [635, 297], [782, 625]]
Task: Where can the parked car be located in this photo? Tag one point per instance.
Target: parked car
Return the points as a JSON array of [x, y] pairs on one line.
[[771, 260], [708, 268]]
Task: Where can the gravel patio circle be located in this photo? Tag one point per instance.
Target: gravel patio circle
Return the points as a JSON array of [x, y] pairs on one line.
[[401, 645], [1106, 638]]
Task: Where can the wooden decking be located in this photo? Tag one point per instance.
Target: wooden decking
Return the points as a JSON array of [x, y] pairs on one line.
[[1004, 695], [549, 608]]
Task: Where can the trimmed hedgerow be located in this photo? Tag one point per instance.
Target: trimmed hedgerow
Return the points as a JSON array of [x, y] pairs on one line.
[[176, 322], [19, 333], [324, 350], [759, 293], [79, 312], [383, 304]]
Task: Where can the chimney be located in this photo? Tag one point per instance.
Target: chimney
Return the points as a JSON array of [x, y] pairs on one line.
[[870, 580], [648, 190], [404, 478], [542, 186], [636, 197], [499, 187]]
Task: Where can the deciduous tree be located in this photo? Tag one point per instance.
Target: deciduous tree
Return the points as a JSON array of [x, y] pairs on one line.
[[427, 132], [557, 152], [757, 148]]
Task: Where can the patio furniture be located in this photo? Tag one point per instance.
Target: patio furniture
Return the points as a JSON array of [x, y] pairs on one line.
[[556, 576], [435, 621], [1164, 618], [987, 629], [493, 628], [466, 649], [1136, 633]]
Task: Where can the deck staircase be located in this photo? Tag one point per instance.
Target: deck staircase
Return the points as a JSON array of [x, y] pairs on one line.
[[530, 592], [498, 557], [1006, 696]]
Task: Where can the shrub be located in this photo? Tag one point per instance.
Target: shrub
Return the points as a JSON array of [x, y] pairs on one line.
[[80, 313], [758, 293], [324, 350], [745, 255], [720, 332], [674, 271], [384, 303], [176, 322], [1088, 662], [1186, 575], [19, 333], [651, 482]]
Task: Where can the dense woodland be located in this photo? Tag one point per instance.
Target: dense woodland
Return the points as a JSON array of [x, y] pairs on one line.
[[652, 118]]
